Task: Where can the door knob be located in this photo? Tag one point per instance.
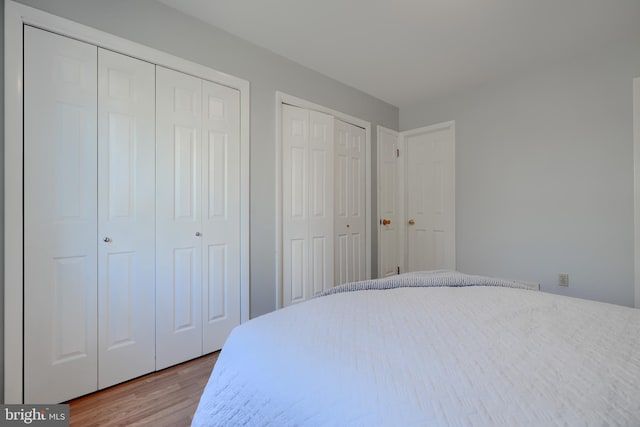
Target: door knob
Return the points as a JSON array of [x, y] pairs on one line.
[[197, 234], [386, 221], [107, 239], [411, 222]]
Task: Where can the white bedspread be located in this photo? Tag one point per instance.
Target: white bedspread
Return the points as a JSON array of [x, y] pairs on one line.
[[463, 356]]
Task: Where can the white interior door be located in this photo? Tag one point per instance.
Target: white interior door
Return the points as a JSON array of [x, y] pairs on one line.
[[126, 217], [60, 210], [178, 217], [349, 226], [307, 188], [295, 143], [388, 203], [320, 189], [221, 213], [429, 198]]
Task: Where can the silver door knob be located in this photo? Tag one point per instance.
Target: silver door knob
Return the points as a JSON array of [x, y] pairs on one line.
[[197, 234], [107, 239]]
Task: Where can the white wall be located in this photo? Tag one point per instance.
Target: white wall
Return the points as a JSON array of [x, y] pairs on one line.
[[544, 173]]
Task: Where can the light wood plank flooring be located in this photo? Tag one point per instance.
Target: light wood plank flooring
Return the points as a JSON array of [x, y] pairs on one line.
[[165, 398]]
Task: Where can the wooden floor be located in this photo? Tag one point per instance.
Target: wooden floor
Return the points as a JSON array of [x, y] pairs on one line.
[[165, 398]]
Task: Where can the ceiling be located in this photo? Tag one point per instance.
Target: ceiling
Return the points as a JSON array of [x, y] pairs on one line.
[[405, 51]]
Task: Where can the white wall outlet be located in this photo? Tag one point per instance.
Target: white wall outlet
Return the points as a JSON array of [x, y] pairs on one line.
[[563, 279]]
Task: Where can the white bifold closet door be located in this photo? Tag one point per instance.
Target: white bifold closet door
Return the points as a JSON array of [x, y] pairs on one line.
[[197, 214], [126, 218], [179, 217], [88, 217], [220, 214], [350, 250], [60, 210], [307, 182]]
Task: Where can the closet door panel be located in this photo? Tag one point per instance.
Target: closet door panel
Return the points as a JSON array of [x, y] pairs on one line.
[[221, 213], [321, 188], [126, 217], [308, 204], [60, 336], [178, 217], [295, 142], [341, 204], [350, 221], [357, 198]]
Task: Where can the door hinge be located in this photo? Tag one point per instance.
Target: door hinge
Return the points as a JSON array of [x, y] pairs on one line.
[[398, 269], [397, 152]]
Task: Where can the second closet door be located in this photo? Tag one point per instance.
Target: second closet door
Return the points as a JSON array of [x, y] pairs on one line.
[[198, 216]]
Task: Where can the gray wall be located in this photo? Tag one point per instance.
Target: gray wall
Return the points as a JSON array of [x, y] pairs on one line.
[[544, 173], [155, 25]]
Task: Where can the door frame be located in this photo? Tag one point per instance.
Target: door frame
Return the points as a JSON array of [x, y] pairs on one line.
[[17, 15], [636, 187], [284, 98]]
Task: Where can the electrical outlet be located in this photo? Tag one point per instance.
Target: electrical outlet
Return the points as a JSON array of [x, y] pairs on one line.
[[563, 279]]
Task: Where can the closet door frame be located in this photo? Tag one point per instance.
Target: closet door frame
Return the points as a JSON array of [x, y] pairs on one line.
[[16, 16], [283, 98]]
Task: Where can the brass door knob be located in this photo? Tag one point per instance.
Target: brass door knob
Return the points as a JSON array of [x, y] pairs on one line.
[[411, 222], [386, 221]]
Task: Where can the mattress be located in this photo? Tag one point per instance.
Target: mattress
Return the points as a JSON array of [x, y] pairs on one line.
[[472, 355]]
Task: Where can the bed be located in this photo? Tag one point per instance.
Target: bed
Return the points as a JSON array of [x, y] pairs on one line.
[[430, 349]]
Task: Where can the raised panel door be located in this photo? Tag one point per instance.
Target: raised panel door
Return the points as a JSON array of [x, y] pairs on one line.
[[295, 148], [221, 213], [126, 217], [429, 199], [320, 202], [60, 227], [178, 217], [341, 198], [350, 225], [388, 202], [307, 202]]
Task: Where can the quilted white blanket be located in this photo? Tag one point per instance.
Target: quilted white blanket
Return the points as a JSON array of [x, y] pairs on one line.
[[436, 356]]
